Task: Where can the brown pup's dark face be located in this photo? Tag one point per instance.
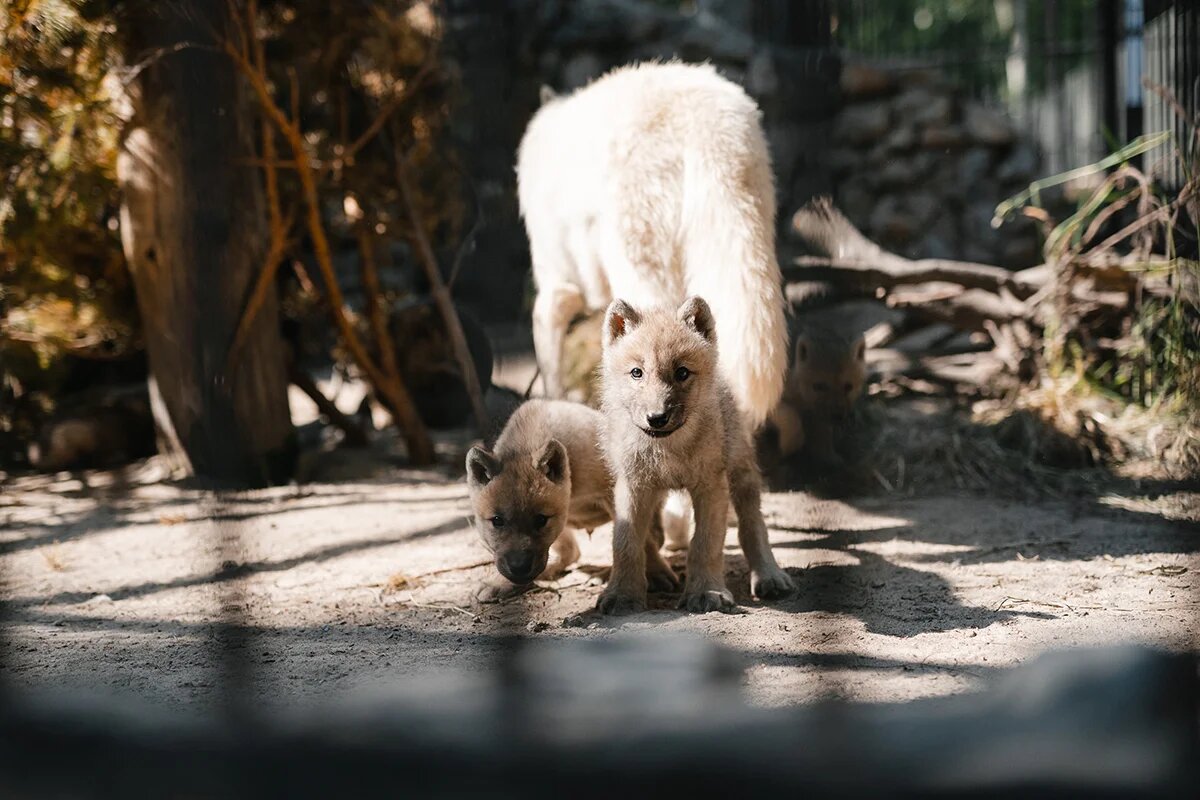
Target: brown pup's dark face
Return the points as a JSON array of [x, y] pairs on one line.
[[656, 363], [829, 386], [520, 506]]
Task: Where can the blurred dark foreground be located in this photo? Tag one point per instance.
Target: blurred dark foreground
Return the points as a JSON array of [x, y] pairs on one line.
[[634, 717]]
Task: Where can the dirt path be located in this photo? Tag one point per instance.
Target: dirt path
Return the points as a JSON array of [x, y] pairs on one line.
[[900, 598]]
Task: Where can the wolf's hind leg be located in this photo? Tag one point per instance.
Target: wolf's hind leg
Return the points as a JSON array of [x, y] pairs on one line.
[[553, 311], [565, 551]]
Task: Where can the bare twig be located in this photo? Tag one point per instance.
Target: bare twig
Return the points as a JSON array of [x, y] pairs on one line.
[[391, 389], [355, 435], [376, 311], [441, 295]]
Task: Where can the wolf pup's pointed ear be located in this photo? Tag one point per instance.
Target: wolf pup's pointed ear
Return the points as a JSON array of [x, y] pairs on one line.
[[482, 466], [553, 463], [546, 94], [696, 314], [801, 350], [860, 350], [619, 320]]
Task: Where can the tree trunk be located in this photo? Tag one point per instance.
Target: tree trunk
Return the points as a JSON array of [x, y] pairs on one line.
[[192, 229]]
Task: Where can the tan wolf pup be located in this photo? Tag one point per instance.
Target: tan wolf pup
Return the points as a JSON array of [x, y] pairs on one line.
[[672, 423], [545, 477], [828, 371]]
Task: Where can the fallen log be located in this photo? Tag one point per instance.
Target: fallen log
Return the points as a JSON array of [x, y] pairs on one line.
[[849, 256]]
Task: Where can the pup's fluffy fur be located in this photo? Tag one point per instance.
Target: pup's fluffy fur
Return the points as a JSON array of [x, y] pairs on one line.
[[545, 476], [826, 379], [671, 423], [651, 184]]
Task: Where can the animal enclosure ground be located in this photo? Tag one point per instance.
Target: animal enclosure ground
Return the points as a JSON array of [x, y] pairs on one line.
[[343, 583]]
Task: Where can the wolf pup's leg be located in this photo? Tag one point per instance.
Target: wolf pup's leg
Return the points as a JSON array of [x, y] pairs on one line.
[[495, 588], [553, 311], [705, 589], [677, 520], [767, 580], [565, 552], [626, 590], [790, 427], [659, 575]]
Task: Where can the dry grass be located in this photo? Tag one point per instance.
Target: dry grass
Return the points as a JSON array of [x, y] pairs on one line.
[[54, 557]]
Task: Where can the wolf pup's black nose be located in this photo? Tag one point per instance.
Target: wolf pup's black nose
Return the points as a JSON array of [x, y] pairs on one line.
[[520, 566], [657, 421]]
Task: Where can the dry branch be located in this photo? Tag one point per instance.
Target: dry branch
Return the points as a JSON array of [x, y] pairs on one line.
[[441, 294], [355, 435], [391, 388], [851, 256], [376, 311]]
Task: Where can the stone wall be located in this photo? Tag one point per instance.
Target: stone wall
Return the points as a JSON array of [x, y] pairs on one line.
[[914, 164], [919, 167]]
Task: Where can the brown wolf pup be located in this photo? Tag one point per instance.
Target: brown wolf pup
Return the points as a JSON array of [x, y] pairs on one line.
[[671, 423], [826, 379], [545, 477]]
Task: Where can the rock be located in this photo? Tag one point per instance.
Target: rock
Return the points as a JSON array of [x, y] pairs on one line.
[[899, 172], [988, 126], [841, 160], [610, 23], [864, 80], [1019, 251], [974, 165], [862, 123], [762, 78], [735, 13], [923, 206], [580, 70], [708, 36], [890, 224], [942, 137], [922, 107], [978, 252], [1020, 166], [902, 137], [941, 237], [786, 140], [856, 200]]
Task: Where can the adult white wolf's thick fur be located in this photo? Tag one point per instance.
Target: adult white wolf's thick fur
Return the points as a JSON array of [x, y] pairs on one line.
[[653, 184]]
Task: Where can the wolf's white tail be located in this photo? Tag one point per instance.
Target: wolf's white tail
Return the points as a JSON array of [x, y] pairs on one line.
[[729, 211]]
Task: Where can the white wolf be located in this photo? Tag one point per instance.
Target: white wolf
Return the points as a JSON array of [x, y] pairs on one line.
[[653, 184]]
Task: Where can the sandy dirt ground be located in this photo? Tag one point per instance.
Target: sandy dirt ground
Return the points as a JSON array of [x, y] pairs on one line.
[[365, 571], [117, 581]]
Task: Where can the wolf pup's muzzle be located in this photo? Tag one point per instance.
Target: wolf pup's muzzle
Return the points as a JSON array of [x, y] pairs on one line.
[[521, 566]]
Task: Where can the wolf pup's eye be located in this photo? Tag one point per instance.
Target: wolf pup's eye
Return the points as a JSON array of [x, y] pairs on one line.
[[682, 374], [497, 521], [540, 520], [636, 373]]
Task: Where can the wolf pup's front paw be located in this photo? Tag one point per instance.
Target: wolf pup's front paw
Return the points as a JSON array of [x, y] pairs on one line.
[[772, 585], [494, 591], [618, 604], [703, 601], [661, 579]]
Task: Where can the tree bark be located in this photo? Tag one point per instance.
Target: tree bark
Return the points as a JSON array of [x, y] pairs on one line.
[[192, 229]]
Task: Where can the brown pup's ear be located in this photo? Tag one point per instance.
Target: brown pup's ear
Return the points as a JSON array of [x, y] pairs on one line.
[[553, 463], [860, 350], [619, 319], [696, 314], [482, 466], [801, 350]]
